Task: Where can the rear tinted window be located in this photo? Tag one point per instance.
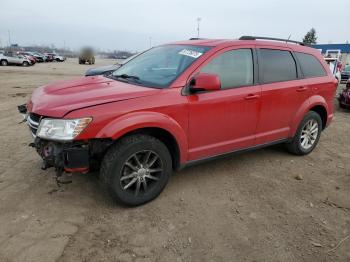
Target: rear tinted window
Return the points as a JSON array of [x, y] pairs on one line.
[[276, 66], [310, 66]]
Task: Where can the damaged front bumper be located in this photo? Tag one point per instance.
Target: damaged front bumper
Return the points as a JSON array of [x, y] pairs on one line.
[[73, 156], [69, 157]]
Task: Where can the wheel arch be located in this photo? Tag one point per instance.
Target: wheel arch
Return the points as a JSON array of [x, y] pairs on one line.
[[317, 104], [155, 124], [165, 137], [322, 111]]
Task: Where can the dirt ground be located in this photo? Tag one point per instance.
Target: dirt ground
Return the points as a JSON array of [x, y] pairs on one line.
[[265, 205]]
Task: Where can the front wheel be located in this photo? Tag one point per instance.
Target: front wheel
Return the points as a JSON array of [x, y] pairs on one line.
[[25, 63], [4, 63], [136, 169], [307, 135]]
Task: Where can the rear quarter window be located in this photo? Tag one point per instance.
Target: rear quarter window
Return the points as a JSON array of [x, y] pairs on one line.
[[310, 66]]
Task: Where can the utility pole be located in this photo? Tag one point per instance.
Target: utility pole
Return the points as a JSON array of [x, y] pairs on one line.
[[198, 20], [150, 42], [9, 37]]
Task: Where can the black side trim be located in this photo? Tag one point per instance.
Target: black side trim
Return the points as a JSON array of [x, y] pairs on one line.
[[239, 151]]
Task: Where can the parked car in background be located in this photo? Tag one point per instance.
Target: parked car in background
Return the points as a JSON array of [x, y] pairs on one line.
[[333, 66], [39, 57], [345, 74], [179, 104], [31, 58], [11, 58], [57, 57], [344, 97], [102, 70], [49, 57], [44, 57], [87, 56]]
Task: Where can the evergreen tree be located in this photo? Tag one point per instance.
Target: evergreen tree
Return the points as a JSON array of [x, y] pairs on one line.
[[310, 38]]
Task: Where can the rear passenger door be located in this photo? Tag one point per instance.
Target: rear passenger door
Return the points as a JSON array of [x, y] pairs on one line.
[[283, 92]]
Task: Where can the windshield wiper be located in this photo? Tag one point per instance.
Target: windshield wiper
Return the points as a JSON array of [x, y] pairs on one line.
[[126, 76]]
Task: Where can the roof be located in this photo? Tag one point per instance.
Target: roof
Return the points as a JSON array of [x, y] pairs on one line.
[[344, 48], [222, 43], [203, 42]]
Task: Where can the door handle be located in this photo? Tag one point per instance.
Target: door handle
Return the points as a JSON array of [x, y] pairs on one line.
[[301, 89], [251, 96]]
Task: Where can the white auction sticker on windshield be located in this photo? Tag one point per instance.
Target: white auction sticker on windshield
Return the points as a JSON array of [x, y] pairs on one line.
[[190, 53]]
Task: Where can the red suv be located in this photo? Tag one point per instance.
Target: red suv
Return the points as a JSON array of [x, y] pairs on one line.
[[179, 104]]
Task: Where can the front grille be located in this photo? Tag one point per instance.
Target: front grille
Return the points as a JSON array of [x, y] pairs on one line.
[[33, 121]]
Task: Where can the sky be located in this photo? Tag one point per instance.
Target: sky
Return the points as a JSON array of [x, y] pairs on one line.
[[134, 25]]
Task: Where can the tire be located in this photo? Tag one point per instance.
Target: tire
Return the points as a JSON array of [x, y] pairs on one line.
[[296, 145], [25, 63], [58, 60], [124, 175], [4, 62]]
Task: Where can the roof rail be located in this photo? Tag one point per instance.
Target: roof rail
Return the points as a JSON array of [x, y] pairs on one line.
[[197, 38], [248, 37]]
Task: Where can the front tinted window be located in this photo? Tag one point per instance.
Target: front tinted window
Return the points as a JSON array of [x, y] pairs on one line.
[[310, 66], [235, 68], [159, 66], [276, 66]]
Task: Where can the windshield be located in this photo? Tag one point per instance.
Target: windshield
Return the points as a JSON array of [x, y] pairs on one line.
[[159, 66]]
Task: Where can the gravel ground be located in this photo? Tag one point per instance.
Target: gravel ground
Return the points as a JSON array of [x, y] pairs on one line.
[[265, 205]]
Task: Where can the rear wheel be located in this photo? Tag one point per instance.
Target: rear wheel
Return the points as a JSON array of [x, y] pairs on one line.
[[307, 135], [4, 63], [136, 169]]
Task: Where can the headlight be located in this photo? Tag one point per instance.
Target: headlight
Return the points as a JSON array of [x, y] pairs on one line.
[[62, 129]]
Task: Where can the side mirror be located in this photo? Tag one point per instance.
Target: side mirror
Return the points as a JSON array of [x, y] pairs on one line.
[[205, 82]]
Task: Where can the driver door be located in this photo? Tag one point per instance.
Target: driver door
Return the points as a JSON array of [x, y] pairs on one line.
[[225, 120]]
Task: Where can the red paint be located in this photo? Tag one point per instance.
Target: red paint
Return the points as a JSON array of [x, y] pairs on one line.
[[203, 124], [83, 170]]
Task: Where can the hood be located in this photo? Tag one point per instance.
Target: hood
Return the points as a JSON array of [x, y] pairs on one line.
[[59, 98]]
